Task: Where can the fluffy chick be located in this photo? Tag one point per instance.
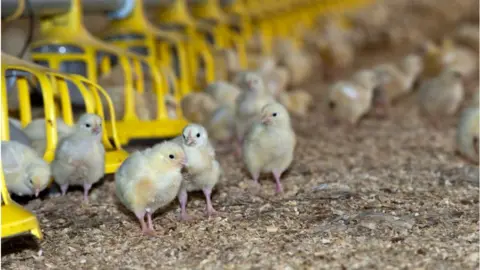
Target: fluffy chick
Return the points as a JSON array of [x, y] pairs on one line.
[[269, 143], [35, 131], [296, 101], [80, 156], [250, 102], [150, 179], [336, 56], [197, 107], [221, 125], [349, 100], [224, 93], [398, 80], [26, 173], [276, 80], [467, 134], [442, 95], [203, 171]]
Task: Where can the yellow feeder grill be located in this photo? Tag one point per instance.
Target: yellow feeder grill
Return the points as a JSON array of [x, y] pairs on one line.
[[53, 85], [67, 46], [174, 17], [135, 33], [214, 23]]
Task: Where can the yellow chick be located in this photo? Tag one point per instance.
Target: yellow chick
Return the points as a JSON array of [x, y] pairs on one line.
[[203, 171], [26, 173], [197, 107], [336, 56], [299, 66], [297, 101], [467, 134], [80, 156], [250, 102], [224, 93], [35, 131], [441, 95], [269, 144], [397, 81], [349, 100], [150, 179]]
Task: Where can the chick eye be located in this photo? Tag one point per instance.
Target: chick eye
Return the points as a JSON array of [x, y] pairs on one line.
[[274, 114], [198, 135], [87, 125], [332, 105], [30, 180], [171, 156]]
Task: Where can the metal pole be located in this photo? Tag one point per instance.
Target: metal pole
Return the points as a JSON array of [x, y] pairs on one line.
[[52, 7]]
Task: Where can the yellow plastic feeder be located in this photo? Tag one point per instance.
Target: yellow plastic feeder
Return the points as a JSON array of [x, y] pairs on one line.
[[210, 16], [67, 46], [175, 17], [133, 31], [54, 85]]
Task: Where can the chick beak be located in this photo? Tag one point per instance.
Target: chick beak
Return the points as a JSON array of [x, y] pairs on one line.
[[37, 192], [184, 161], [266, 120], [96, 130]]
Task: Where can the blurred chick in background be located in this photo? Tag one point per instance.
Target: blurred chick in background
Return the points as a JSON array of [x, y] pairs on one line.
[[36, 132], [224, 93], [349, 100], [150, 179], [80, 156], [26, 173], [441, 96], [269, 144], [197, 107], [297, 101]]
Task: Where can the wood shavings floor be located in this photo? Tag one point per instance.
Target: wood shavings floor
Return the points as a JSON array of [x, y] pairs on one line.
[[390, 194]]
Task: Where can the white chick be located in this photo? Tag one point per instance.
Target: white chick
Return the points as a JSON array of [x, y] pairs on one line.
[[249, 104], [26, 173], [221, 125], [35, 130], [350, 100], [150, 179], [80, 156], [467, 134], [269, 144], [224, 93], [203, 171], [442, 95], [16, 132]]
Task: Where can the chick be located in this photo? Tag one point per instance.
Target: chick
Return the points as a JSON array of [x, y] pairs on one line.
[[397, 81], [224, 93], [221, 126], [203, 171], [150, 179], [349, 100], [197, 107], [467, 134], [299, 66], [80, 156], [35, 131], [269, 144], [297, 101], [442, 95], [276, 80], [336, 56], [16, 132], [26, 173], [249, 103]]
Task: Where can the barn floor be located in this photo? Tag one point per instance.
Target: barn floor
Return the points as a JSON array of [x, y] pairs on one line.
[[390, 194]]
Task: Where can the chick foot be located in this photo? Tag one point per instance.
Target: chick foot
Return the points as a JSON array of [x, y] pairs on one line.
[[210, 211], [277, 174], [63, 189], [182, 198], [86, 188]]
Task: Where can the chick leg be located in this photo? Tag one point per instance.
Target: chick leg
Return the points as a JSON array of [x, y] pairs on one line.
[[210, 210], [255, 176], [182, 198], [277, 174], [86, 188], [150, 223], [141, 218], [63, 189]]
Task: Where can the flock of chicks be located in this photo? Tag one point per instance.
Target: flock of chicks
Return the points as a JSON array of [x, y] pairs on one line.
[[250, 110]]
